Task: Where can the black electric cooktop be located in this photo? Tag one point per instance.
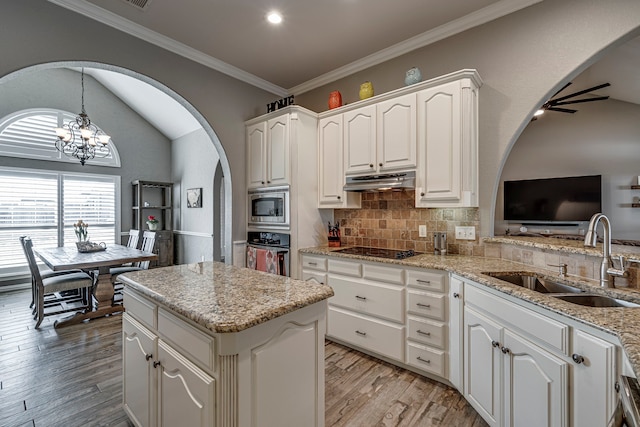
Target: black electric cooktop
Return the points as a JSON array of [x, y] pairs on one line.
[[379, 252]]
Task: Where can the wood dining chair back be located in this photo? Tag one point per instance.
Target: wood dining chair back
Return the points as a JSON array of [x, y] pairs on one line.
[[148, 242], [71, 281], [134, 237]]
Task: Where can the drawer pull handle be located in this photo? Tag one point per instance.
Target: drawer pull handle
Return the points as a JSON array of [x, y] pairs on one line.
[[362, 334], [423, 360], [456, 295], [426, 334], [577, 358], [148, 356], [428, 282], [313, 263], [423, 305], [495, 344], [361, 298], [156, 364]]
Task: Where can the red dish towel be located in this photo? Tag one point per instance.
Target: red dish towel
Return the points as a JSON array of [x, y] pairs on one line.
[[261, 259], [251, 257]]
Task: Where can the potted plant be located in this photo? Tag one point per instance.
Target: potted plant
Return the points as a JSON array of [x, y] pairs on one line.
[[152, 222]]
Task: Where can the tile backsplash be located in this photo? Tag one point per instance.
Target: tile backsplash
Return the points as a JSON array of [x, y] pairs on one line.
[[390, 220]]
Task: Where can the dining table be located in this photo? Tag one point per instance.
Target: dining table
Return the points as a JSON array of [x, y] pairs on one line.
[[100, 262]]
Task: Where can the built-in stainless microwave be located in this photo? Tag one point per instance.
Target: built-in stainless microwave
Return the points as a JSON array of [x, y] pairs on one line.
[[269, 206]]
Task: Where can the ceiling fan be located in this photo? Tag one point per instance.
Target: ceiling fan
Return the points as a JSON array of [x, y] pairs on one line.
[[557, 103]]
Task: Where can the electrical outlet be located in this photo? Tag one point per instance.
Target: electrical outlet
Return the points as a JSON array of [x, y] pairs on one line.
[[466, 233], [422, 231]]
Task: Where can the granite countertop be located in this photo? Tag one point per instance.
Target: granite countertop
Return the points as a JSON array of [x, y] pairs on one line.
[[224, 298], [624, 322]]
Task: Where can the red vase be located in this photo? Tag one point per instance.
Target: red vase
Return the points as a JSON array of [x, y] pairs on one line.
[[335, 100]]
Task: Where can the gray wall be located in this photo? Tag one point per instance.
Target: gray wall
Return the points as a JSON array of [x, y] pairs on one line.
[[602, 138], [144, 152], [523, 59], [194, 161]]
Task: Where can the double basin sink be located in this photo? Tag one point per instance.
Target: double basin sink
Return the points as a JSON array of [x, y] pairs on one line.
[[559, 290]]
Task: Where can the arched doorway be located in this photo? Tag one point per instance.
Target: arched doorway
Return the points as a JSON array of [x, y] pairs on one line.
[[223, 164]]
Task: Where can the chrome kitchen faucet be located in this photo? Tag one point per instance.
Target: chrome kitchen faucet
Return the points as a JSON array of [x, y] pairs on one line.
[[607, 271]]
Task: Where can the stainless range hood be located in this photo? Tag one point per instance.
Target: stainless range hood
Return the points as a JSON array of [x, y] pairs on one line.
[[382, 182]]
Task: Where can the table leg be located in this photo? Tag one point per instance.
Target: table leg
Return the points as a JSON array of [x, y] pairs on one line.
[[103, 293]]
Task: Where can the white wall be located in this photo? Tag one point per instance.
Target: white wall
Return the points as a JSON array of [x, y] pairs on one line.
[[602, 138]]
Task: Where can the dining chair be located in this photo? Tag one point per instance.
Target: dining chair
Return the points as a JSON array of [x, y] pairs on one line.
[[72, 280], [148, 241], [54, 297]]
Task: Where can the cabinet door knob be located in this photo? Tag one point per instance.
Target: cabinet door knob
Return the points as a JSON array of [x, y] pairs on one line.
[[380, 164], [156, 364], [456, 295], [268, 182], [262, 182], [495, 344], [148, 356], [422, 194], [338, 197], [577, 358], [505, 350], [370, 165]]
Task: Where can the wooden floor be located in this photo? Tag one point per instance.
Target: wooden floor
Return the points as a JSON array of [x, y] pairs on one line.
[[72, 377]]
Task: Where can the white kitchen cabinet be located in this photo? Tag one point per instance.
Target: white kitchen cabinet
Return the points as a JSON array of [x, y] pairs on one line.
[[268, 148], [482, 366], [178, 373], [331, 166], [381, 137], [396, 134], [186, 394], [360, 140], [593, 381], [447, 174]]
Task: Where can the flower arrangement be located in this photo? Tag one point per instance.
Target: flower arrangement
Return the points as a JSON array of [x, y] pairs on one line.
[[80, 228], [152, 222]]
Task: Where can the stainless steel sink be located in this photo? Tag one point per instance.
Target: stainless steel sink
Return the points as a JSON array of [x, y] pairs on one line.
[[595, 300], [535, 282]]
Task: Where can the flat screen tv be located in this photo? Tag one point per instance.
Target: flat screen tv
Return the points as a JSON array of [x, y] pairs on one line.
[[553, 200]]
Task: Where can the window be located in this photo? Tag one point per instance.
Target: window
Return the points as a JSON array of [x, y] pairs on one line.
[[45, 204], [29, 134]]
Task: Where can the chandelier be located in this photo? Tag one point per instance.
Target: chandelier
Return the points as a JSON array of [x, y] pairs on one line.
[[80, 138]]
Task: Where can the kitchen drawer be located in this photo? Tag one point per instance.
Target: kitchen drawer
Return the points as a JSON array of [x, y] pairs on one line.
[[426, 358], [140, 308], [429, 280], [345, 268], [187, 338], [382, 273], [531, 324], [386, 301], [314, 262], [314, 275], [384, 338], [425, 331], [427, 304]]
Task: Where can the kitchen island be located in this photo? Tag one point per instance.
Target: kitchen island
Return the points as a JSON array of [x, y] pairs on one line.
[[211, 344]]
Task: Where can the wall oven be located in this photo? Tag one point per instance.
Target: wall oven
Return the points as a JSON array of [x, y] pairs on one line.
[[267, 251], [269, 206]]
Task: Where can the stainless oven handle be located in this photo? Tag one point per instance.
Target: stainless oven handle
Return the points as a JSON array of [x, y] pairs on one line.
[[277, 248]]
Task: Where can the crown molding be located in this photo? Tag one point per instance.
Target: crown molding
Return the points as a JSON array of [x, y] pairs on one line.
[[482, 16], [111, 19], [471, 20]]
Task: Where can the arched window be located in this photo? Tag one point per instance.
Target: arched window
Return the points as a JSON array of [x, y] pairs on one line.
[[29, 134]]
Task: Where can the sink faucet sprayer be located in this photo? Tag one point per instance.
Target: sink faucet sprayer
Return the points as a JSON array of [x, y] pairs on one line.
[[607, 272]]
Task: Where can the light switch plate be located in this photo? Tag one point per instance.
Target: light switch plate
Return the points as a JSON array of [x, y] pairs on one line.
[[422, 231], [466, 233]]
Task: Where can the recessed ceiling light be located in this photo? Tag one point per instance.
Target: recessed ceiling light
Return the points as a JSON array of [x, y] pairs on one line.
[[274, 17]]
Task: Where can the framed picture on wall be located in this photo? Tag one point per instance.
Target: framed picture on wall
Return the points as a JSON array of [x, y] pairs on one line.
[[194, 198]]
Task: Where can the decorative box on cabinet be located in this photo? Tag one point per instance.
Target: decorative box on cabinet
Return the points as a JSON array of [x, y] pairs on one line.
[[155, 198]]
